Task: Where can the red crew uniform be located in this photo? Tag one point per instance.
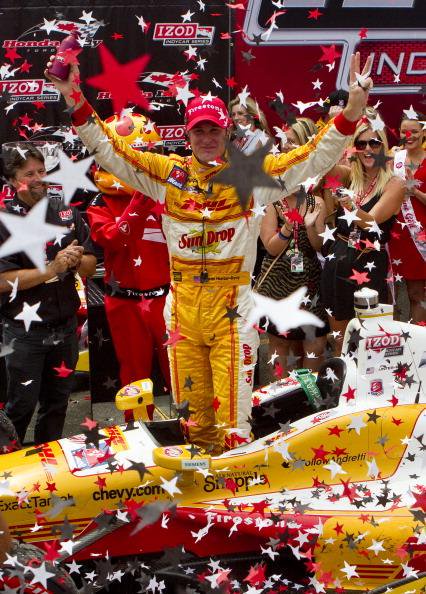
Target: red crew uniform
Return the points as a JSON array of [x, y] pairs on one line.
[[136, 273]]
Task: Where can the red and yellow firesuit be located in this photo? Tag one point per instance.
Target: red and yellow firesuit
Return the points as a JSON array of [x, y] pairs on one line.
[[212, 352]]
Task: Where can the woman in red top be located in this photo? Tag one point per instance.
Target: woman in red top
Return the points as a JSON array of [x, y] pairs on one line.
[[408, 236]]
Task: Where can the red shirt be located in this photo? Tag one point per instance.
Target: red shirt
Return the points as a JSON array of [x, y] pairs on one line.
[[130, 233]]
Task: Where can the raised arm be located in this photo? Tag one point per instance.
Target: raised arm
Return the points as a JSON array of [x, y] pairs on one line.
[[318, 156], [143, 171]]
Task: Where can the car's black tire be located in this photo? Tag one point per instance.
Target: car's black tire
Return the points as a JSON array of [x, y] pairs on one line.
[[60, 583]]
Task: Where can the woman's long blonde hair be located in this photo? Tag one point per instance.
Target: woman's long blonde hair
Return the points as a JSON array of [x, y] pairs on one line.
[[357, 170], [254, 111], [304, 128]]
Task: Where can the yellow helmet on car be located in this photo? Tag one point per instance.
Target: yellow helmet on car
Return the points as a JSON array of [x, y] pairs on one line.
[[136, 130]]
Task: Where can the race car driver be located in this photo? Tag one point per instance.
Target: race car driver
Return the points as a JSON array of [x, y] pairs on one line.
[[211, 244], [136, 260]]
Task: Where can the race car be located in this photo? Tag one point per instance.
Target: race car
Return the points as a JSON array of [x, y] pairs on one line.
[[329, 496]]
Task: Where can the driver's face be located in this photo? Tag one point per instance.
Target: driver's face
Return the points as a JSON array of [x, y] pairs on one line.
[[28, 181], [208, 141]]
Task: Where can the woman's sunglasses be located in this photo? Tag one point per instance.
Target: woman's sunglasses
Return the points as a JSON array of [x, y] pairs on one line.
[[361, 145]]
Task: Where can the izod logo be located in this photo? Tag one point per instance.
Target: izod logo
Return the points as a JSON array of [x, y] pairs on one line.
[[378, 343], [183, 33]]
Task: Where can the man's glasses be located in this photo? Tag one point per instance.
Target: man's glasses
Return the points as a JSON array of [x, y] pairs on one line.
[[361, 145]]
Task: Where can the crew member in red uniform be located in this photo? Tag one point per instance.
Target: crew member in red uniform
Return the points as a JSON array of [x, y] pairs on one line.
[[136, 260]]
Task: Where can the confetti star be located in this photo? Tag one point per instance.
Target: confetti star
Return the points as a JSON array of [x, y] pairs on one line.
[[349, 571], [29, 314], [349, 394], [62, 370], [142, 23], [246, 172], [329, 54], [190, 53], [303, 106], [360, 277], [184, 94], [328, 234], [334, 468], [243, 96], [120, 80], [71, 175], [140, 468], [357, 424], [381, 159], [284, 313], [373, 470], [349, 217], [258, 210], [29, 233], [174, 336], [170, 486], [377, 123], [48, 26], [186, 18], [41, 575], [411, 113], [314, 14], [188, 383]]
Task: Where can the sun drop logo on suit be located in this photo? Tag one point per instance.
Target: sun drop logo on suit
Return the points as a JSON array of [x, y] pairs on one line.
[[212, 239]]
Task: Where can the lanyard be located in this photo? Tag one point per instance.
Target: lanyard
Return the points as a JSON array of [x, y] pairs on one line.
[[360, 197]]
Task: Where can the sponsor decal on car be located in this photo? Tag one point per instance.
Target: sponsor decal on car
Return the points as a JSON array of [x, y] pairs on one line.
[[390, 343]]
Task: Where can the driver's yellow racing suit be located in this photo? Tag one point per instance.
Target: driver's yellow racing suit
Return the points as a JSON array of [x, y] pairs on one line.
[[212, 249]]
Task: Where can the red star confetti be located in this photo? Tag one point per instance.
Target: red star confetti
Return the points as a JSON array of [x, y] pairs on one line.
[[360, 277], [315, 14], [89, 423], [349, 394], [120, 80], [174, 337], [329, 54], [62, 370]]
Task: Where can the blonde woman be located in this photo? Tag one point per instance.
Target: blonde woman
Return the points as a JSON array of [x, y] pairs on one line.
[[357, 258], [250, 120], [290, 235]]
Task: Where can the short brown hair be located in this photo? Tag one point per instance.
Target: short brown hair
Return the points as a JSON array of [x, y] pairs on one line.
[[13, 160]]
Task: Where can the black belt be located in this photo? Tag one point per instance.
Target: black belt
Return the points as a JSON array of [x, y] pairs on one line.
[[136, 294]]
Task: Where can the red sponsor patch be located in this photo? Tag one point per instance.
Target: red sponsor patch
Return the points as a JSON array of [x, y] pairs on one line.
[[124, 227], [66, 215]]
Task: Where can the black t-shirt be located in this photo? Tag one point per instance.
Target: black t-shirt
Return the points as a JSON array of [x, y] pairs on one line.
[[59, 299]]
